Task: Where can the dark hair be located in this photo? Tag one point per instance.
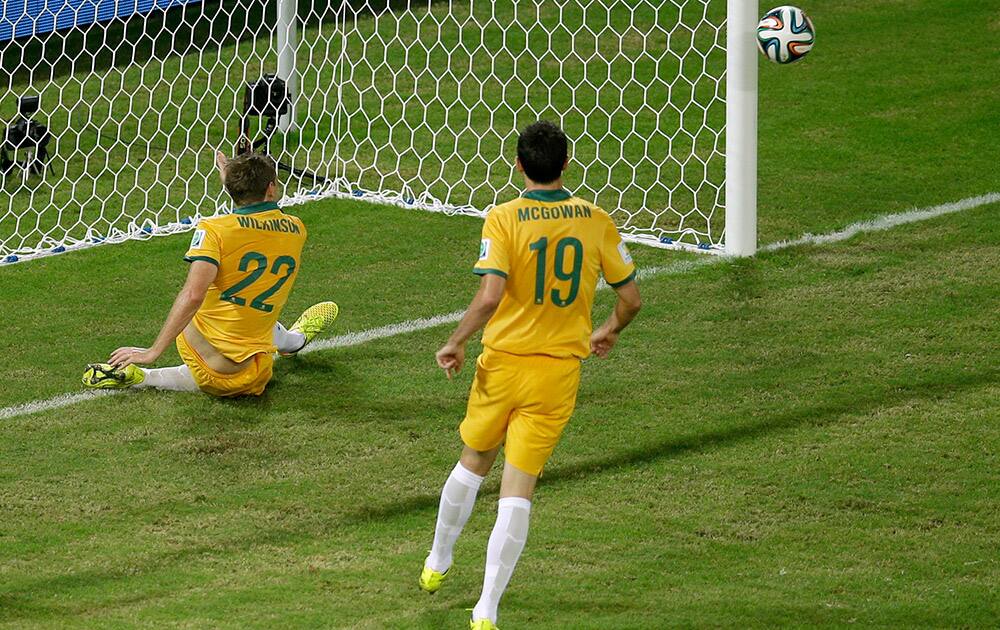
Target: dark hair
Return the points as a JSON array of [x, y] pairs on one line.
[[248, 176], [542, 148]]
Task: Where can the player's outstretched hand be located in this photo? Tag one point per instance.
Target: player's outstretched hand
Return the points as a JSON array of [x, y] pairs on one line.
[[602, 341], [130, 354], [450, 358]]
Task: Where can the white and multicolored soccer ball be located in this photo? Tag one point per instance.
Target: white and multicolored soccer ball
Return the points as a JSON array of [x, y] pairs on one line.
[[785, 34]]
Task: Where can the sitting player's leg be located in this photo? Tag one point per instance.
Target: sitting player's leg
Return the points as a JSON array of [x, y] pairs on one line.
[[287, 341], [106, 376], [174, 379], [313, 321]]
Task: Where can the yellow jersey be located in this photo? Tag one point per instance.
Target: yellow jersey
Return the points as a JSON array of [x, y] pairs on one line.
[[551, 248], [257, 250]]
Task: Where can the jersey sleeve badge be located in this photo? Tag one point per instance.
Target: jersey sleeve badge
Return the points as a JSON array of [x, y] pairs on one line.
[[624, 253]]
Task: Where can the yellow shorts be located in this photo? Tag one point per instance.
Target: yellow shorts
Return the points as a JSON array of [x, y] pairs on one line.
[[251, 381], [525, 399]]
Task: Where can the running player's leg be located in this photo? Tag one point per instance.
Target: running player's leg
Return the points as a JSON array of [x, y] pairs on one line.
[[482, 433], [532, 434], [457, 500], [507, 539]]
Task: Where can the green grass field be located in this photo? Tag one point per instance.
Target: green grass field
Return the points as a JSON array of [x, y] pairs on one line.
[[806, 438]]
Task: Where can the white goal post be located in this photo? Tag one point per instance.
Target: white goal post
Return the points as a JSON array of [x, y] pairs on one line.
[[410, 103]]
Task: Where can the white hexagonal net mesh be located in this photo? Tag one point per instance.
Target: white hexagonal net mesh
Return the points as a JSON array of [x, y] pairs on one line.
[[417, 105]]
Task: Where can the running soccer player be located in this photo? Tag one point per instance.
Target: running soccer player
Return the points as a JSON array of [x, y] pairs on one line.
[[225, 320], [540, 258]]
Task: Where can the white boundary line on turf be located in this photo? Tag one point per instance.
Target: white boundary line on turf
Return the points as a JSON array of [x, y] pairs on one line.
[[887, 221], [358, 338], [877, 224], [56, 402]]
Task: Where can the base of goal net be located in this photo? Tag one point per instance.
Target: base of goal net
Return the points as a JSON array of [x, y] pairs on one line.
[[420, 103]]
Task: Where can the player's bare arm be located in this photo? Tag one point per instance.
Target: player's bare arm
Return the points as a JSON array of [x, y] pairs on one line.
[[626, 308], [451, 356], [201, 274]]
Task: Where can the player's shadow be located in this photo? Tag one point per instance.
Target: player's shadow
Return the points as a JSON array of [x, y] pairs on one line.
[[21, 603], [823, 413], [350, 386]]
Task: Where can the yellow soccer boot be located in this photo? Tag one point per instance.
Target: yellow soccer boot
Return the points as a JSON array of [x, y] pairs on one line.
[[313, 321], [106, 376], [430, 580]]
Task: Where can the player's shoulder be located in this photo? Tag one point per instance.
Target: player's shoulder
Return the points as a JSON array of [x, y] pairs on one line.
[[292, 222], [506, 209], [217, 226], [214, 222], [598, 220], [590, 208], [502, 215]]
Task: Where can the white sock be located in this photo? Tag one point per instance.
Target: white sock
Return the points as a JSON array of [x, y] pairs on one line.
[[288, 341], [457, 499], [175, 379], [506, 543]]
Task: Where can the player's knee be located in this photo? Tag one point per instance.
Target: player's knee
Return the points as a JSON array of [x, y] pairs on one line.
[[517, 481], [478, 462]]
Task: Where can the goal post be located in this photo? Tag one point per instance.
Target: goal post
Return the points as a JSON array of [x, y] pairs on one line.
[[741, 128], [287, 32], [416, 104]]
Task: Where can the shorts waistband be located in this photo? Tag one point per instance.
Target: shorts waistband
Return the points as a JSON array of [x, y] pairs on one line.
[[182, 340], [528, 358]]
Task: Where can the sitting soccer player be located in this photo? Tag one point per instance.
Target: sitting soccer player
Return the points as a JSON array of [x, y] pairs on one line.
[[539, 260], [225, 320]]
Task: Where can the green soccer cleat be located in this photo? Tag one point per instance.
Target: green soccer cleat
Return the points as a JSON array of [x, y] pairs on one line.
[[482, 624], [106, 376], [314, 320], [430, 580]]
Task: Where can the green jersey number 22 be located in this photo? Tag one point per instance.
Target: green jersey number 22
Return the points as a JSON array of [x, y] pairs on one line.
[[260, 261]]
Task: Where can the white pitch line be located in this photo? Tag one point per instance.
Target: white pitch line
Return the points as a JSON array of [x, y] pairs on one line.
[[877, 224], [887, 221], [56, 402], [358, 338], [413, 325]]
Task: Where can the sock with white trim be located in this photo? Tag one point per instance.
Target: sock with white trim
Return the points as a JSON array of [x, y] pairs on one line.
[[457, 499], [288, 342], [175, 379], [506, 543]]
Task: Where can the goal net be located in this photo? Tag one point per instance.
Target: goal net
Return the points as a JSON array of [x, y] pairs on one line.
[[414, 104]]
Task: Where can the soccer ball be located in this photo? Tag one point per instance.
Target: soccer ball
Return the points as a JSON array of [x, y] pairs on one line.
[[785, 34]]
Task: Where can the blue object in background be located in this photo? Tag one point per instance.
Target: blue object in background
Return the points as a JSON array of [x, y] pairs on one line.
[[20, 18]]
